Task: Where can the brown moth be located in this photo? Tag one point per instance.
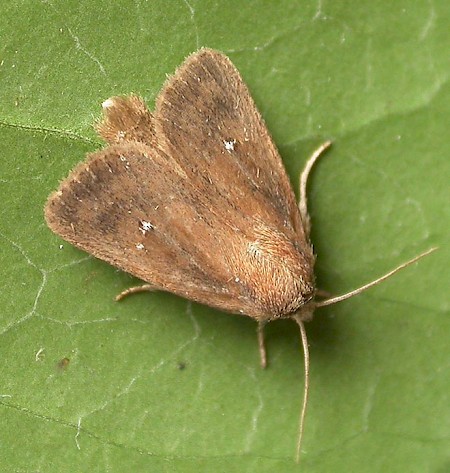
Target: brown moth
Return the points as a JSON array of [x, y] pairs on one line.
[[194, 199]]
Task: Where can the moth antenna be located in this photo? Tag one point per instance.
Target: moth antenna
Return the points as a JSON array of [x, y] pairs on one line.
[[301, 421], [303, 202], [334, 300]]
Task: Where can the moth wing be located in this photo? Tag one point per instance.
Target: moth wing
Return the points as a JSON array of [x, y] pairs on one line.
[[199, 204], [208, 122], [132, 206]]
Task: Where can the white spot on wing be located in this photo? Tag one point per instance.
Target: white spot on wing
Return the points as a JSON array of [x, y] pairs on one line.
[[229, 145], [124, 160], [254, 249], [145, 226], [108, 103]]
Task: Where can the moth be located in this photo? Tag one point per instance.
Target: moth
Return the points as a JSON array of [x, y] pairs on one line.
[[194, 199]]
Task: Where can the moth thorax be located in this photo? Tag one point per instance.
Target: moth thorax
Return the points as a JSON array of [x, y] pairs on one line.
[[279, 274]]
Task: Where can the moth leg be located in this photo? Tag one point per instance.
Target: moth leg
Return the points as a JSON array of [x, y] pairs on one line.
[[134, 290], [261, 344], [303, 203]]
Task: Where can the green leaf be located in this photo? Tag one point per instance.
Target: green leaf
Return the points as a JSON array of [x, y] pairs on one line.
[[157, 383]]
